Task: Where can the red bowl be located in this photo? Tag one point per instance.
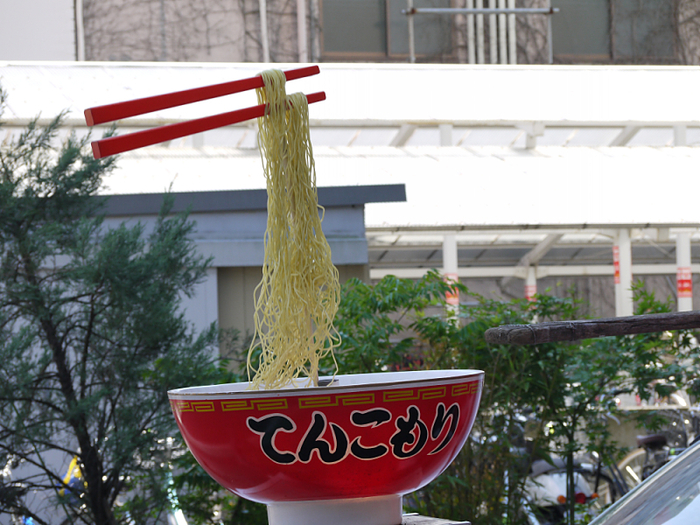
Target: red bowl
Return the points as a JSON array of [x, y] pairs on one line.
[[365, 436]]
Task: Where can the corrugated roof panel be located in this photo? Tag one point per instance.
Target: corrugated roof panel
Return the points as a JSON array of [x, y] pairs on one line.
[[561, 186]]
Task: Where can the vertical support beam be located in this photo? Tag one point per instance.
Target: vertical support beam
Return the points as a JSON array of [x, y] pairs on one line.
[[480, 34], [411, 33], [450, 267], [532, 130], [679, 135], [502, 40], [622, 261], [512, 41], [530, 283], [445, 134], [684, 275], [471, 51], [302, 37], [550, 42], [79, 31], [262, 5], [493, 35]]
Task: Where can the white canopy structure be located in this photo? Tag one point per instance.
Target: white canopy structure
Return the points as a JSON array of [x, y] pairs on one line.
[[522, 172]]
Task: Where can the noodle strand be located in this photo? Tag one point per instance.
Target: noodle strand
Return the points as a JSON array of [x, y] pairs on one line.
[[298, 296]]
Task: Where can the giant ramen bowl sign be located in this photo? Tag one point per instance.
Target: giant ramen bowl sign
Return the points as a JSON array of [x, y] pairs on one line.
[[340, 454]]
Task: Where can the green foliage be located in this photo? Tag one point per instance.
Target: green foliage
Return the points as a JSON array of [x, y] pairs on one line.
[[91, 338], [372, 321], [203, 500], [403, 324]]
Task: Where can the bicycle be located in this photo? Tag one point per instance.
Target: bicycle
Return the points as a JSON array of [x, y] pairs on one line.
[[656, 450]]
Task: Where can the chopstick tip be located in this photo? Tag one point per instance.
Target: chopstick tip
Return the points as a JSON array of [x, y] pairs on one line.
[[96, 149], [89, 120]]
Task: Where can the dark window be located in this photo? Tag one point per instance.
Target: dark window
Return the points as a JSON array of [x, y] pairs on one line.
[[624, 31], [356, 29], [581, 30], [433, 33], [643, 30]]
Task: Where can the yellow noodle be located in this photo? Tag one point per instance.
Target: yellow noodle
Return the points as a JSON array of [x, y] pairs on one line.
[[298, 296]]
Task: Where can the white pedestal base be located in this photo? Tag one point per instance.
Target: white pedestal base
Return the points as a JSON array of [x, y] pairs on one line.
[[382, 510]]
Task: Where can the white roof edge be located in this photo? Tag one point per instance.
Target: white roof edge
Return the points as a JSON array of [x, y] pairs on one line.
[[370, 66]]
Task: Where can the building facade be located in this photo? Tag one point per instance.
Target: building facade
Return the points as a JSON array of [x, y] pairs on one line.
[[581, 32]]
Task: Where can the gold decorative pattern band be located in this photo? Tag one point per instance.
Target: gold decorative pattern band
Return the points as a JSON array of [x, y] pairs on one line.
[[230, 405], [193, 406], [340, 399], [415, 393], [311, 402], [465, 388]]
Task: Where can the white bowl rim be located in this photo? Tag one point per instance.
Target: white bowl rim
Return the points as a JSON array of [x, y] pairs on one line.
[[345, 383]]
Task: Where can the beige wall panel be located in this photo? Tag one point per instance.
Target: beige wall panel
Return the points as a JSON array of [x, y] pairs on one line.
[[236, 293], [357, 271], [236, 288]]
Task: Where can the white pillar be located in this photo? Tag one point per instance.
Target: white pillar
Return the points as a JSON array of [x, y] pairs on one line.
[[684, 275], [471, 38], [445, 134], [512, 43], [493, 35], [680, 135], [449, 266], [262, 6], [302, 36], [622, 262], [79, 32], [502, 31], [530, 283]]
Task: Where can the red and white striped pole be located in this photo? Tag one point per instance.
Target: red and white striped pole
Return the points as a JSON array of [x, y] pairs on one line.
[[531, 283], [450, 269], [622, 265], [684, 274]]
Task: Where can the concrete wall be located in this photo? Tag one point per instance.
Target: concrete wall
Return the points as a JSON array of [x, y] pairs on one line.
[[37, 30]]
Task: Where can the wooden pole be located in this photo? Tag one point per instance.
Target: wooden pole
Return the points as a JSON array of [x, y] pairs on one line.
[[532, 334]]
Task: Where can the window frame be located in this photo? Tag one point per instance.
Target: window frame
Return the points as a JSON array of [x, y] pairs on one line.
[[389, 56]]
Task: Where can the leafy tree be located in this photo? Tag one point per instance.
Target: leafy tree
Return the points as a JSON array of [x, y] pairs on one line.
[[405, 324], [91, 339], [566, 386]]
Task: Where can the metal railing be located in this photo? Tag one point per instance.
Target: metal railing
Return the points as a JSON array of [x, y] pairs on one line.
[[498, 38]]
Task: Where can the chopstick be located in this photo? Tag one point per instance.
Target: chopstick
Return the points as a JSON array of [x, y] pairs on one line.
[[131, 108], [148, 137]]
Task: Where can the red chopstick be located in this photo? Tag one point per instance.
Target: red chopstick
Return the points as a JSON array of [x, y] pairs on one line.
[[148, 137], [131, 108]]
